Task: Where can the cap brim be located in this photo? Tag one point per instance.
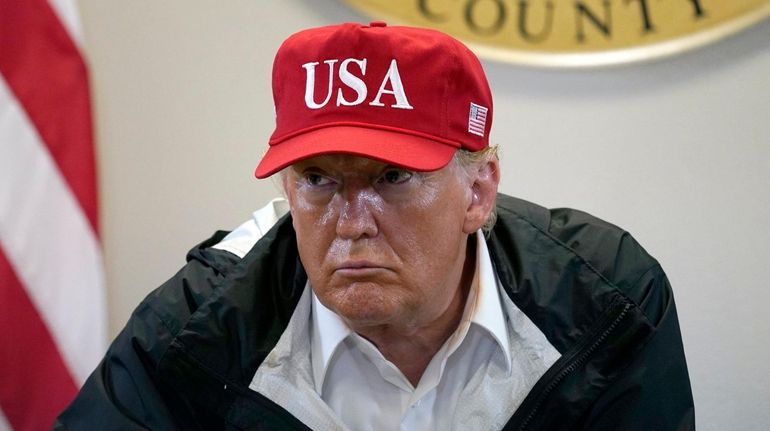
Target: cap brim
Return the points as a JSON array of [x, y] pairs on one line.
[[399, 149]]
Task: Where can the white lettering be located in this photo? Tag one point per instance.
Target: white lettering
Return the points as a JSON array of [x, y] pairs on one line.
[[397, 88], [353, 82], [310, 84], [391, 84]]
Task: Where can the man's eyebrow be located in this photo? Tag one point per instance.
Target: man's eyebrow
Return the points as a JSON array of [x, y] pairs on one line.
[[302, 167]]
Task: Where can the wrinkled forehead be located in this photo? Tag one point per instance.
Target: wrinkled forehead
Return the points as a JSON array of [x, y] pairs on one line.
[[340, 162], [348, 164]]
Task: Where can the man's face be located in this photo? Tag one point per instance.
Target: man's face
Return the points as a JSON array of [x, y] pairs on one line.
[[381, 245]]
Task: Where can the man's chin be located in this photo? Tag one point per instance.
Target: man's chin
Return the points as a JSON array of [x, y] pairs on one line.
[[364, 306]]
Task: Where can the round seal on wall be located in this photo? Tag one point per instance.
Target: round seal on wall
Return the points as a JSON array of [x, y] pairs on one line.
[[575, 33]]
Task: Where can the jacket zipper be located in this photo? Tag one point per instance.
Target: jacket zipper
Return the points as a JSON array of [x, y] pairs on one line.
[[578, 361]]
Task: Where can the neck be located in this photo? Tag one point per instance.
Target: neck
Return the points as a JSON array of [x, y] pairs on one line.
[[411, 347]]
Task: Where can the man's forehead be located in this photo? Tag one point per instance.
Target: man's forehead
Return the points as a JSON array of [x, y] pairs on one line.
[[344, 163]]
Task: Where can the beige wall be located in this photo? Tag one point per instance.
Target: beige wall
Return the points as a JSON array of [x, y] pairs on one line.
[[675, 151]]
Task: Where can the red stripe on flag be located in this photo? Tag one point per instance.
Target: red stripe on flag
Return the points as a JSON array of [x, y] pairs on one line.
[[46, 73], [36, 384]]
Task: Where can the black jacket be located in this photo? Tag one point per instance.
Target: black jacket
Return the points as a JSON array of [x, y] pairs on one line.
[[188, 353]]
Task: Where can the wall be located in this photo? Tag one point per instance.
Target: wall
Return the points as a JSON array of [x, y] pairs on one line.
[[675, 151]]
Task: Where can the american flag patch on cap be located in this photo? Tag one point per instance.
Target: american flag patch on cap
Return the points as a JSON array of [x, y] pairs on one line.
[[477, 119]]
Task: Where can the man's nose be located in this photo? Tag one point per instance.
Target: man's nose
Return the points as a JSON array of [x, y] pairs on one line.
[[356, 217]]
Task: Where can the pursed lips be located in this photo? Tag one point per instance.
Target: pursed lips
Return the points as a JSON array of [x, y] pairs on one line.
[[358, 267]]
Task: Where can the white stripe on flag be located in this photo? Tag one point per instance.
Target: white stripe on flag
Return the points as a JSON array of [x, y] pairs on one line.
[[477, 119], [49, 242], [67, 12], [4, 425]]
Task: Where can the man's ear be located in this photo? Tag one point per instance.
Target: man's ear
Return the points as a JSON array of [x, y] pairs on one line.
[[483, 195]]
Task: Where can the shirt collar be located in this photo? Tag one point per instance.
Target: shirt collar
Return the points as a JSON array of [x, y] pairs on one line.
[[329, 330], [489, 313]]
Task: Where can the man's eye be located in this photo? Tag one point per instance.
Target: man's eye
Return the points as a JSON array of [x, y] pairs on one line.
[[317, 180], [395, 176]]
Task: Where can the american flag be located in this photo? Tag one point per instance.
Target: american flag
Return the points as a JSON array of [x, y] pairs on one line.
[[477, 119], [53, 322]]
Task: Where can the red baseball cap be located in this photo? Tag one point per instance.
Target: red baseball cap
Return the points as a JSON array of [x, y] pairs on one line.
[[402, 95]]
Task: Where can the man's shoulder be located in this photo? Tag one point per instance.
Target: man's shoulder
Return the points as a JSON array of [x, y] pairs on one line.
[[598, 245], [588, 236], [174, 301], [223, 255], [561, 223], [242, 239]]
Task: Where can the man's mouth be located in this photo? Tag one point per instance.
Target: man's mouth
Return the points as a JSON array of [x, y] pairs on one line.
[[358, 268]]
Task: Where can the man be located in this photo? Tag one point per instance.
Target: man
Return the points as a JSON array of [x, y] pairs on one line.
[[401, 292]]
